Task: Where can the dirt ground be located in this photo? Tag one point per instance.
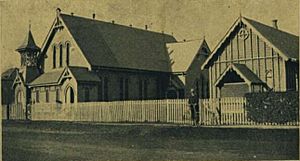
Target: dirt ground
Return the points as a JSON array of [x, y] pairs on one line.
[[63, 141]]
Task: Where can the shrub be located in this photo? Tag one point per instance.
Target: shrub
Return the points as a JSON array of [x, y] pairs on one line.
[[273, 107]]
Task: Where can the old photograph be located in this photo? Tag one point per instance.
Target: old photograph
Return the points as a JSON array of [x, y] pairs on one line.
[[149, 80]]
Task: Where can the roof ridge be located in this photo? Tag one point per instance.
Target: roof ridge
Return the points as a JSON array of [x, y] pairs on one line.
[[279, 30], [190, 40], [120, 25]]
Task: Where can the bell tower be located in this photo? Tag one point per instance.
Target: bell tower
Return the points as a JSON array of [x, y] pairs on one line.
[[28, 51]]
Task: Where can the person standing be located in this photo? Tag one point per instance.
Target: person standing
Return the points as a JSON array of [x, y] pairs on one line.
[[194, 107]]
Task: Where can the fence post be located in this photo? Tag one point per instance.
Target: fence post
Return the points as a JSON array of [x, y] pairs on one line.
[[7, 111], [167, 110]]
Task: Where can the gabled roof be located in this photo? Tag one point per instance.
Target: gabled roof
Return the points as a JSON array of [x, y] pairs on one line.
[[244, 72], [28, 43], [26, 75], [9, 74], [82, 74], [112, 45], [286, 44], [56, 76], [183, 53], [51, 77]]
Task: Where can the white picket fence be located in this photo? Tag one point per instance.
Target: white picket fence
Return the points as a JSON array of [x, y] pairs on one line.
[[167, 111], [16, 112], [224, 111]]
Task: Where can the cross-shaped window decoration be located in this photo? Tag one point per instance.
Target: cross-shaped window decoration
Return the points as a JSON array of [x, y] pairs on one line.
[[243, 34]]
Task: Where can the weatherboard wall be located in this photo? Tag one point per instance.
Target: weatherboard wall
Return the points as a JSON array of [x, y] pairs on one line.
[[156, 83], [259, 56]]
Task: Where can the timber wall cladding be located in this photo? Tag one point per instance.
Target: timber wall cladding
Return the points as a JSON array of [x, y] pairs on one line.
[[259, 57]]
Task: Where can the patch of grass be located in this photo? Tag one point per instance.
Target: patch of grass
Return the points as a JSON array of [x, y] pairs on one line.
[[82, 141]]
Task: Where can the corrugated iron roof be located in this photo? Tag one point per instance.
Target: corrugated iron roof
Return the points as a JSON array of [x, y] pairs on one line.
[[112, 45], [247, 73], [243, 71], [54, 77], [82, 74], [183, 53], [287, 43], [48, 77]]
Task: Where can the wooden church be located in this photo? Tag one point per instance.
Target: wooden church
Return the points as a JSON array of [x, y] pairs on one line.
[[84, 59], [253, 57]]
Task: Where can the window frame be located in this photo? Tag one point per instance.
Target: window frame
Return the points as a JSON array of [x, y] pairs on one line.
[[54, 56], [68, 46], [47, 99], [37, 96], [60, 55]]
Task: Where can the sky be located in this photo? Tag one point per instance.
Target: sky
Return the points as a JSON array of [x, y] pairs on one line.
[[186, 19]]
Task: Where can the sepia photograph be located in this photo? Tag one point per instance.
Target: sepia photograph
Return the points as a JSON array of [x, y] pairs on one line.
[[93, 80]]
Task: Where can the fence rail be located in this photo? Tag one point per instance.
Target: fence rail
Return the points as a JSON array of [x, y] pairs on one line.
[[13, 111], [168, 111], [224, 111]]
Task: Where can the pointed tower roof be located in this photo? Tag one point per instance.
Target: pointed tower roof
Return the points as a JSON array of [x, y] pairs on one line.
[[28, 44]]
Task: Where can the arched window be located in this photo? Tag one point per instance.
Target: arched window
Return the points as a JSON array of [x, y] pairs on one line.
[[69, 96], [68, 53], [60, 55], [19, 97], [54, 56], [47, 95], [57, 95], [37, 96]]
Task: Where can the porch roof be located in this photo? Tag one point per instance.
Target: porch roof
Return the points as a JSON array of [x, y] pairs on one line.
[[55, 77], [51, 77], [243, 71]]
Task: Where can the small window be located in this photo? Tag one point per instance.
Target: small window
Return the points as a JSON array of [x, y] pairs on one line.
[[87, 94], [121, 89], [106, 89], [54, 56], [57, 95], [60, 55], [127, 89], [47, 95], [100, 90], [68, 54], [37, 96]]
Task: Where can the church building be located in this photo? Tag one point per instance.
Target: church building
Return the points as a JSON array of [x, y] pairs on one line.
[[84, 59], [253, 57]]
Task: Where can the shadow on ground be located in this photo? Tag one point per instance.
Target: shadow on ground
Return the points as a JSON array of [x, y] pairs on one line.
[[81, 141]]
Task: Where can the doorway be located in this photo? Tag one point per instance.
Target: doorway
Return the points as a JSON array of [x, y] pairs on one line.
[[69, 95]]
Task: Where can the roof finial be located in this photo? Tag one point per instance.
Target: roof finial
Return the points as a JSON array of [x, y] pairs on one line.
[[58, 10], [241, 15], [29, 25]]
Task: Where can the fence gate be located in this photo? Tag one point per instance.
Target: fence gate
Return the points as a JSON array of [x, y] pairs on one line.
[[209, 112]]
